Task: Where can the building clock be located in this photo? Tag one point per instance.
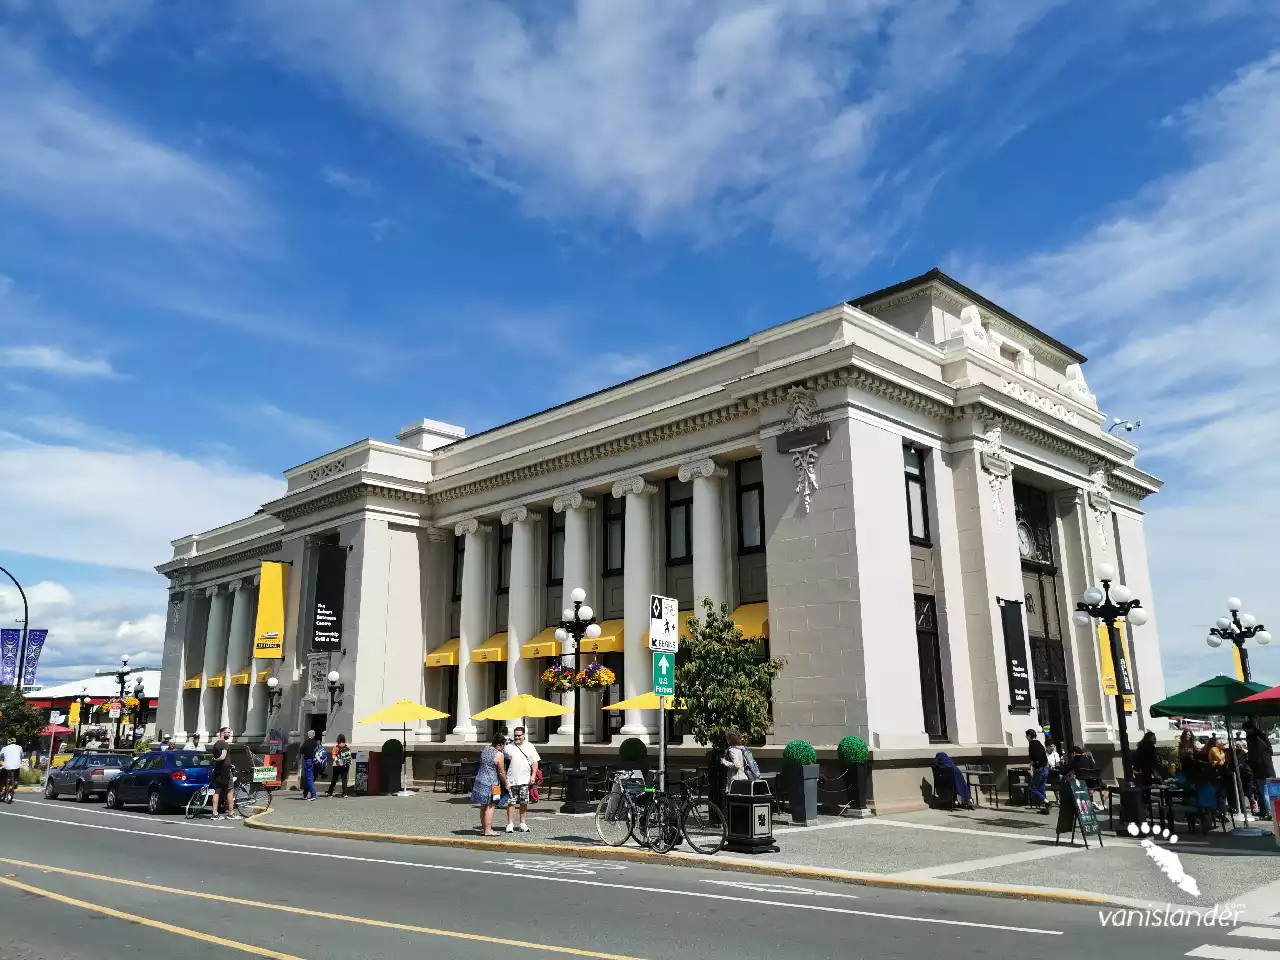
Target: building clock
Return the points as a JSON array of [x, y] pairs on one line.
[[1026, 541]]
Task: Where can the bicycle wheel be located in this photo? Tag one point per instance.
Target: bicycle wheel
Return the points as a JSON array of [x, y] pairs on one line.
[[199, 801], [256, 800], [661, 824], [614, 819], [704, 826]]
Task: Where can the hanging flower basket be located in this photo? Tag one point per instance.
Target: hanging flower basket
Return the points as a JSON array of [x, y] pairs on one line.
[[595, 677], [559, 678]]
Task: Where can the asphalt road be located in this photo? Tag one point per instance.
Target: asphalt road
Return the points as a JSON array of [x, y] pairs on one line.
[[86, 882]]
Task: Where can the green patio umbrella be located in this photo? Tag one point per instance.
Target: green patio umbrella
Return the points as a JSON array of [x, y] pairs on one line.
[[1215, 697]]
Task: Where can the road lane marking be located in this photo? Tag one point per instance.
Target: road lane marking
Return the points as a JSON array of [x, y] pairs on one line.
[[132, 816], [986, 863], [284, 908], [1211, 952], [780, 888], [528, 876], [145, 921], [1261, 933]]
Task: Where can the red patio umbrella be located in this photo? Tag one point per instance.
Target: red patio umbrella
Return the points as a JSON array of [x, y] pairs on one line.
[[55, 731], [1266, 703]]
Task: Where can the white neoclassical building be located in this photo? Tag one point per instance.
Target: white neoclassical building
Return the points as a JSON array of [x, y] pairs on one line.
[[903, 494]]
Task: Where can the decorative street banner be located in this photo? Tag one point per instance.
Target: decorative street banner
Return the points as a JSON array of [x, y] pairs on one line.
[[331, 583], [35, 643], [9, 640], [268, 643], [1108, 666], [1015, 654]]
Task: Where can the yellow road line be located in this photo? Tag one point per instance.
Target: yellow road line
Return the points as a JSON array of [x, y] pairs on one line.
[[301, 911], [146, 921]]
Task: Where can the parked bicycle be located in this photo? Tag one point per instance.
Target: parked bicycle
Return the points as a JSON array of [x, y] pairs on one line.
[[683, 812], [623, 809], [247, 798]]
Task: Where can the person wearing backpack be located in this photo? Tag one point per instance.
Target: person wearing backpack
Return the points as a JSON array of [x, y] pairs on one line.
[[307, 754], [340, 757], [740, 764]]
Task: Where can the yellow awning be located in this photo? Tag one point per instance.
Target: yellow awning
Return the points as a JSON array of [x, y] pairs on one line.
[[215, 681], [240, 679], [191, 683], [752, 619], [492, 650], [262, 675], [544, 644], [609, 641], [445, 655]]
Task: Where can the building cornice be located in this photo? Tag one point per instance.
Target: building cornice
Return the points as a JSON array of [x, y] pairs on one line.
[[183, 572]]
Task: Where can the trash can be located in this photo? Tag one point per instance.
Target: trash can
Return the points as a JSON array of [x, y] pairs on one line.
[[749, 810]]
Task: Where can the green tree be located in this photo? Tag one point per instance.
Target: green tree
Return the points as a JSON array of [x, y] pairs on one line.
[[724, 679], [18, 719]]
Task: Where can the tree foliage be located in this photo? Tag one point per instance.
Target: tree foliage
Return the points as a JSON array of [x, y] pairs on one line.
[[18, 719], [724, 679]]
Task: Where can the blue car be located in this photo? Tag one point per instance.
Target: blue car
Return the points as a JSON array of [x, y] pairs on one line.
[[162, 779]]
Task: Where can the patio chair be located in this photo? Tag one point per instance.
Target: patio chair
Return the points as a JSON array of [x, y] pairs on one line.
[[467, 776]]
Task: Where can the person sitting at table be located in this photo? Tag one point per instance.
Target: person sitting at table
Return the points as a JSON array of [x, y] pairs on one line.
[[1054, 756], [1186, 751], [946, 771], [1214, 754], [1039, 770]]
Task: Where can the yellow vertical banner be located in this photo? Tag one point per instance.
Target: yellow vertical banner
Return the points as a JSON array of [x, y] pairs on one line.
[[1107, 666], [73, 716], [1235, 652], [268, 642]]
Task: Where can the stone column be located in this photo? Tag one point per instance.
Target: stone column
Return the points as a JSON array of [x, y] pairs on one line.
[[215, 660], [637, 587], [522, 599], [1077, 576], [239, 649], [173, 662], [577, 573], [474, 622], [709, 544]]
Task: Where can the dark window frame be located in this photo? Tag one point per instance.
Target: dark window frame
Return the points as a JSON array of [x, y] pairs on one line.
[[504, 569], [744, 488], [668, 503], [555, 524], [459, 548], [921, 480], [927, 630], [614, 515]]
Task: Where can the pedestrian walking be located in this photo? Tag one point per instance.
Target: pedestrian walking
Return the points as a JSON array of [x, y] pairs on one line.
[[1039, 769], [222, 783], [307, 753], [522, 761], [340, 758], [490, 788], [737, 760]]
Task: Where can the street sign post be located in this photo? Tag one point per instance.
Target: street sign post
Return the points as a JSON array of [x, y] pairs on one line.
[[664, 685], [664, 624]]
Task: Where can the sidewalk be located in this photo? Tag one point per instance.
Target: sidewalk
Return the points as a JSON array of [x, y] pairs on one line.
[[1007, 846]]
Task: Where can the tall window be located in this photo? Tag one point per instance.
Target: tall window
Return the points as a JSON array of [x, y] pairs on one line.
[[614, 526], [504, 557], [679, 522], [932, 696], [917, 509], [459, 547], [750, 506], [555, 551]]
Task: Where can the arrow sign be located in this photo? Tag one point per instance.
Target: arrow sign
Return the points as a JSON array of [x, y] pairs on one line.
[[664, 629], [664, 679]]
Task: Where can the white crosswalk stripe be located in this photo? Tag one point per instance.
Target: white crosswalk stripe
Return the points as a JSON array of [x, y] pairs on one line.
[[1213, 951]]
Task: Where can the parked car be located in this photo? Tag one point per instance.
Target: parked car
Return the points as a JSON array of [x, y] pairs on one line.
[[161, 779], [86, 775]]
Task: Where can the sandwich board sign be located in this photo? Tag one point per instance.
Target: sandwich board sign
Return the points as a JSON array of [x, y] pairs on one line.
[[664, 624]]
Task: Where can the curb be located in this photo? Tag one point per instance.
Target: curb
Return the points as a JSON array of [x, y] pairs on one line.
[[758, 868]]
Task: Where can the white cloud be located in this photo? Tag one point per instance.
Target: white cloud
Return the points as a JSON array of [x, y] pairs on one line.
[[699, 117], [276, 419], [1177, 292], [352, 184], [118, 507], [54, 360], [64, 155], [101, 20]]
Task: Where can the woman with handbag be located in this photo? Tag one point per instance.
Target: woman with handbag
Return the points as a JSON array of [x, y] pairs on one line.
[[490, 788]]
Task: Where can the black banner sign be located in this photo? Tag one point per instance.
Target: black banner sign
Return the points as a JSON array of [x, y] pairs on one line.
[[331, 584], [1015, 655]]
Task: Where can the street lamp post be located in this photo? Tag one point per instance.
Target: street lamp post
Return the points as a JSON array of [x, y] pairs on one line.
[[1238, 628], [140, 717], [274, 693], [121, 675], [22, 643], [84, 701], [1110, 603], [336, 690], [577, 623]]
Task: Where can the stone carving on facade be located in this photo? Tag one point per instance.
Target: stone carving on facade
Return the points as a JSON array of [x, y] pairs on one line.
[[572, 501], [1099, 499], [802, 409], [175, 608], [1076, 388], [805, 460], [632, 485], [317, 677], [326, 470], [1033, 399], [518, 515], [804, 432], [974, 333], [996, 465], [701, 468], [471, 525]]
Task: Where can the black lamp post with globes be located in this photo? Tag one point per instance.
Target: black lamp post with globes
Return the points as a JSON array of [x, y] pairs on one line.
[[576, 624]]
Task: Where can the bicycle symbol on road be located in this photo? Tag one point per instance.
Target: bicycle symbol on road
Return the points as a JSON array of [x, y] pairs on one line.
[[562, 868]]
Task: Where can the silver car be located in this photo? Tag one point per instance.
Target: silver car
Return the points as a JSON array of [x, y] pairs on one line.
[[85, 775]]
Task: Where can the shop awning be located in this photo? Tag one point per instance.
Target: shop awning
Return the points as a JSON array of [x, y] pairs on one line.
[[215, 681], [240, 679], [492, 650], [544, 644], [445, 655], [752, 619], [191, 683], [262, 675], [609, 641]]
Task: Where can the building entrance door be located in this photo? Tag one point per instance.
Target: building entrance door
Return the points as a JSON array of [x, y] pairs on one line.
[[1054, 715]]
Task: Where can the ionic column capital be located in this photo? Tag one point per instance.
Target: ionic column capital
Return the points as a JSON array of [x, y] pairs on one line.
[[572, 501], [469, 526], [212, 591], [235, 585], [705, 469], [519, 515], [633, 486]]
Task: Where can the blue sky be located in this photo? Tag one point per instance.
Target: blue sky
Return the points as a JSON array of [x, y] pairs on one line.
[[234, 236]]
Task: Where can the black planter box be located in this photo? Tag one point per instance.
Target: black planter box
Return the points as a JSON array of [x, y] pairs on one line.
[[800, 786]]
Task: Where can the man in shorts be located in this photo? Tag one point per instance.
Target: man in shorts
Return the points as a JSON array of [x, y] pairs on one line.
[[222, 789], [522, 766]]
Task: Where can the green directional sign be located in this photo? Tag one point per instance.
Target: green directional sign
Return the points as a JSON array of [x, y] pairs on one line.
[[664, 674]]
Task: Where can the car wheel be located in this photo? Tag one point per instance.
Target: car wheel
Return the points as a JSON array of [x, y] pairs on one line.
[[113, 799], [82, 792], [154, 804], [50, 791]]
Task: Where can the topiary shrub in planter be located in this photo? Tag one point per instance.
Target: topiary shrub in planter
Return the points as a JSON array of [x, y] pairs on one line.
[[800, 780], [856, 760], [392, 766], [633, 751]]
